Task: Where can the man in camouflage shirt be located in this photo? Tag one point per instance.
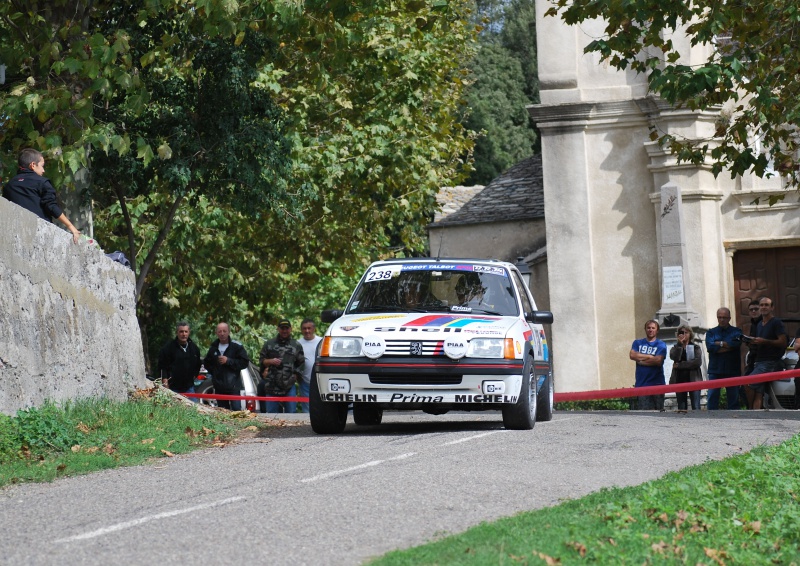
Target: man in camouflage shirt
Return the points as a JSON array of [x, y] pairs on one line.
[[282, 362]]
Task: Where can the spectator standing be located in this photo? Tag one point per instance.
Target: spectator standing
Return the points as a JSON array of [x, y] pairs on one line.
[[179, 361], [749, 353], [649, 353], [309, 342], [796, 347], [723, 343], [687, 363], [282, 364], [225, 361], [30, 189], [770, 340]]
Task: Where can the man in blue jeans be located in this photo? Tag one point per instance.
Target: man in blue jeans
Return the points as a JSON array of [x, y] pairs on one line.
[[770, 340], [723, 343], [649, 353]]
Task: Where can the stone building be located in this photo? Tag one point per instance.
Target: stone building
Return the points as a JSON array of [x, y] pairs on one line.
[[503, 220], [616, 231], [631, 233]]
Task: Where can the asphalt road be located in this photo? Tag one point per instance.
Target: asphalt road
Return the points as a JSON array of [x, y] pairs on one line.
[[293, 497]]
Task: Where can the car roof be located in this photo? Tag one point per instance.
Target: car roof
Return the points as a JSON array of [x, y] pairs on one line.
[[442, 260]]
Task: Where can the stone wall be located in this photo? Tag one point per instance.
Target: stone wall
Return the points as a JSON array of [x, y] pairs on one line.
[[68, 326]]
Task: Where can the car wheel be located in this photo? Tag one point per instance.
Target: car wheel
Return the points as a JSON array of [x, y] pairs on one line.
[[365, 414], [522, 414], [544, 408], [326, 418], [206, 387]]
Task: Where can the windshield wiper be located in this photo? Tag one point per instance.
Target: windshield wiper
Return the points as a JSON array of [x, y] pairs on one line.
[[374, 308], [484, 311]]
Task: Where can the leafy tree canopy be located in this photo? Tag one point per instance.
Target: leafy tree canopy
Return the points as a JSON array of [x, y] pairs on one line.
[[498, 108], [503, 82], [187, 114], [752, 70]]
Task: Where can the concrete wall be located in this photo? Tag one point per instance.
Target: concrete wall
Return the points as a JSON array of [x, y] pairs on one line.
[[68, 326]]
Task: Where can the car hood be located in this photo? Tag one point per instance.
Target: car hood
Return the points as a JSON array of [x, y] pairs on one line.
[[432, 324]]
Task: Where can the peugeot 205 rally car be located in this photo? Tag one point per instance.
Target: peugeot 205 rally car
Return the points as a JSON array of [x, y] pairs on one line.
[[434, 335]]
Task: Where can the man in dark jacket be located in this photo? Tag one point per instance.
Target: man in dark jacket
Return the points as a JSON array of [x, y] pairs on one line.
[[32, 191], [225, 361], [179, 361], [282, 363], [723, 343]]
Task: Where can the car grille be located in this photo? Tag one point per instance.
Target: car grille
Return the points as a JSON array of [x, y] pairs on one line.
[[416, 379], [786, 401], [404, 348]]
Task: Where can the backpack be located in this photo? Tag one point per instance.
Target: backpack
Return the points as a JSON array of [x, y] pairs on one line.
[[119, 257]]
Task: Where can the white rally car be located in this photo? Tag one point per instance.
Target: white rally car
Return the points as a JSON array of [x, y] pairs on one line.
[[434, 335]]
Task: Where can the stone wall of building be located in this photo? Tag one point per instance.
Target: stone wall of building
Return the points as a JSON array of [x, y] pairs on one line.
[[632, 234], [68, 326], [492, 240]]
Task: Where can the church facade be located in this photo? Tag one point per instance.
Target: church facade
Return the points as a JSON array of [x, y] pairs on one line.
[[632, 234]]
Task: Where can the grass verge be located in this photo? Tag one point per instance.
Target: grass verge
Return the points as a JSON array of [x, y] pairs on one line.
[[47, 442], [742, 510]]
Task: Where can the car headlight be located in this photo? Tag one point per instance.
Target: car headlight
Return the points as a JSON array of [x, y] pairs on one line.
[[486, 348], [344, 346]]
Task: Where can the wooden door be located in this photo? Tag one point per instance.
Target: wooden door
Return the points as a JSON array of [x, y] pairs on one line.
[[771, 272]]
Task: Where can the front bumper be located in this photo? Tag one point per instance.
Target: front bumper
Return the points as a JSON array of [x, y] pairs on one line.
[[412, 382]]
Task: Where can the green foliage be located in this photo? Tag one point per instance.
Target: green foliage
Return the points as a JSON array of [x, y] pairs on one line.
[[43, 443], [751, 72], [497, 102], [42, 429], [741, 510], [595, 405], [503, 82], [244, 152], [375, 120], [519, 37]]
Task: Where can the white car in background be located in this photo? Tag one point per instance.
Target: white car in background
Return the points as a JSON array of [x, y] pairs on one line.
[[780, 394], [434, 335]]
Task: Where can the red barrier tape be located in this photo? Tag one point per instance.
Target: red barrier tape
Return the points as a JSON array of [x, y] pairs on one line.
[[678, 387], [577, 395], [242, 397]]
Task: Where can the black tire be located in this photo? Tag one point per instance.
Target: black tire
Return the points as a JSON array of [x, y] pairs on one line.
[[206, 387], [522, 414], [326, 417], [544, 404], [366, 414]]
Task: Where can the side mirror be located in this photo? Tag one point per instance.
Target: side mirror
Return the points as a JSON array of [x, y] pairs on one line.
[[539, 317], [330, 315]]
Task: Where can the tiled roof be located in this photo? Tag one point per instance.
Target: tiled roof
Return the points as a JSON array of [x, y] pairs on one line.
[[452, 199], [517, 194]]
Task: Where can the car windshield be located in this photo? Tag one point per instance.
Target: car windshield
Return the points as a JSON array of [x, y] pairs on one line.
[[480, 289]]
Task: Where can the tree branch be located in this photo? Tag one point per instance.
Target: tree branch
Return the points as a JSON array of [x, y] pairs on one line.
[[128, 225], [162, 236]]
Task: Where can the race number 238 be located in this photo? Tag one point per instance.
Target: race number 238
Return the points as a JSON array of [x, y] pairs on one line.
[[379, 275]]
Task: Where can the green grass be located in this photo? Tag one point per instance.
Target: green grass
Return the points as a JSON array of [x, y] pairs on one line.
[[742, 510], [47, 442], [623, 404]]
